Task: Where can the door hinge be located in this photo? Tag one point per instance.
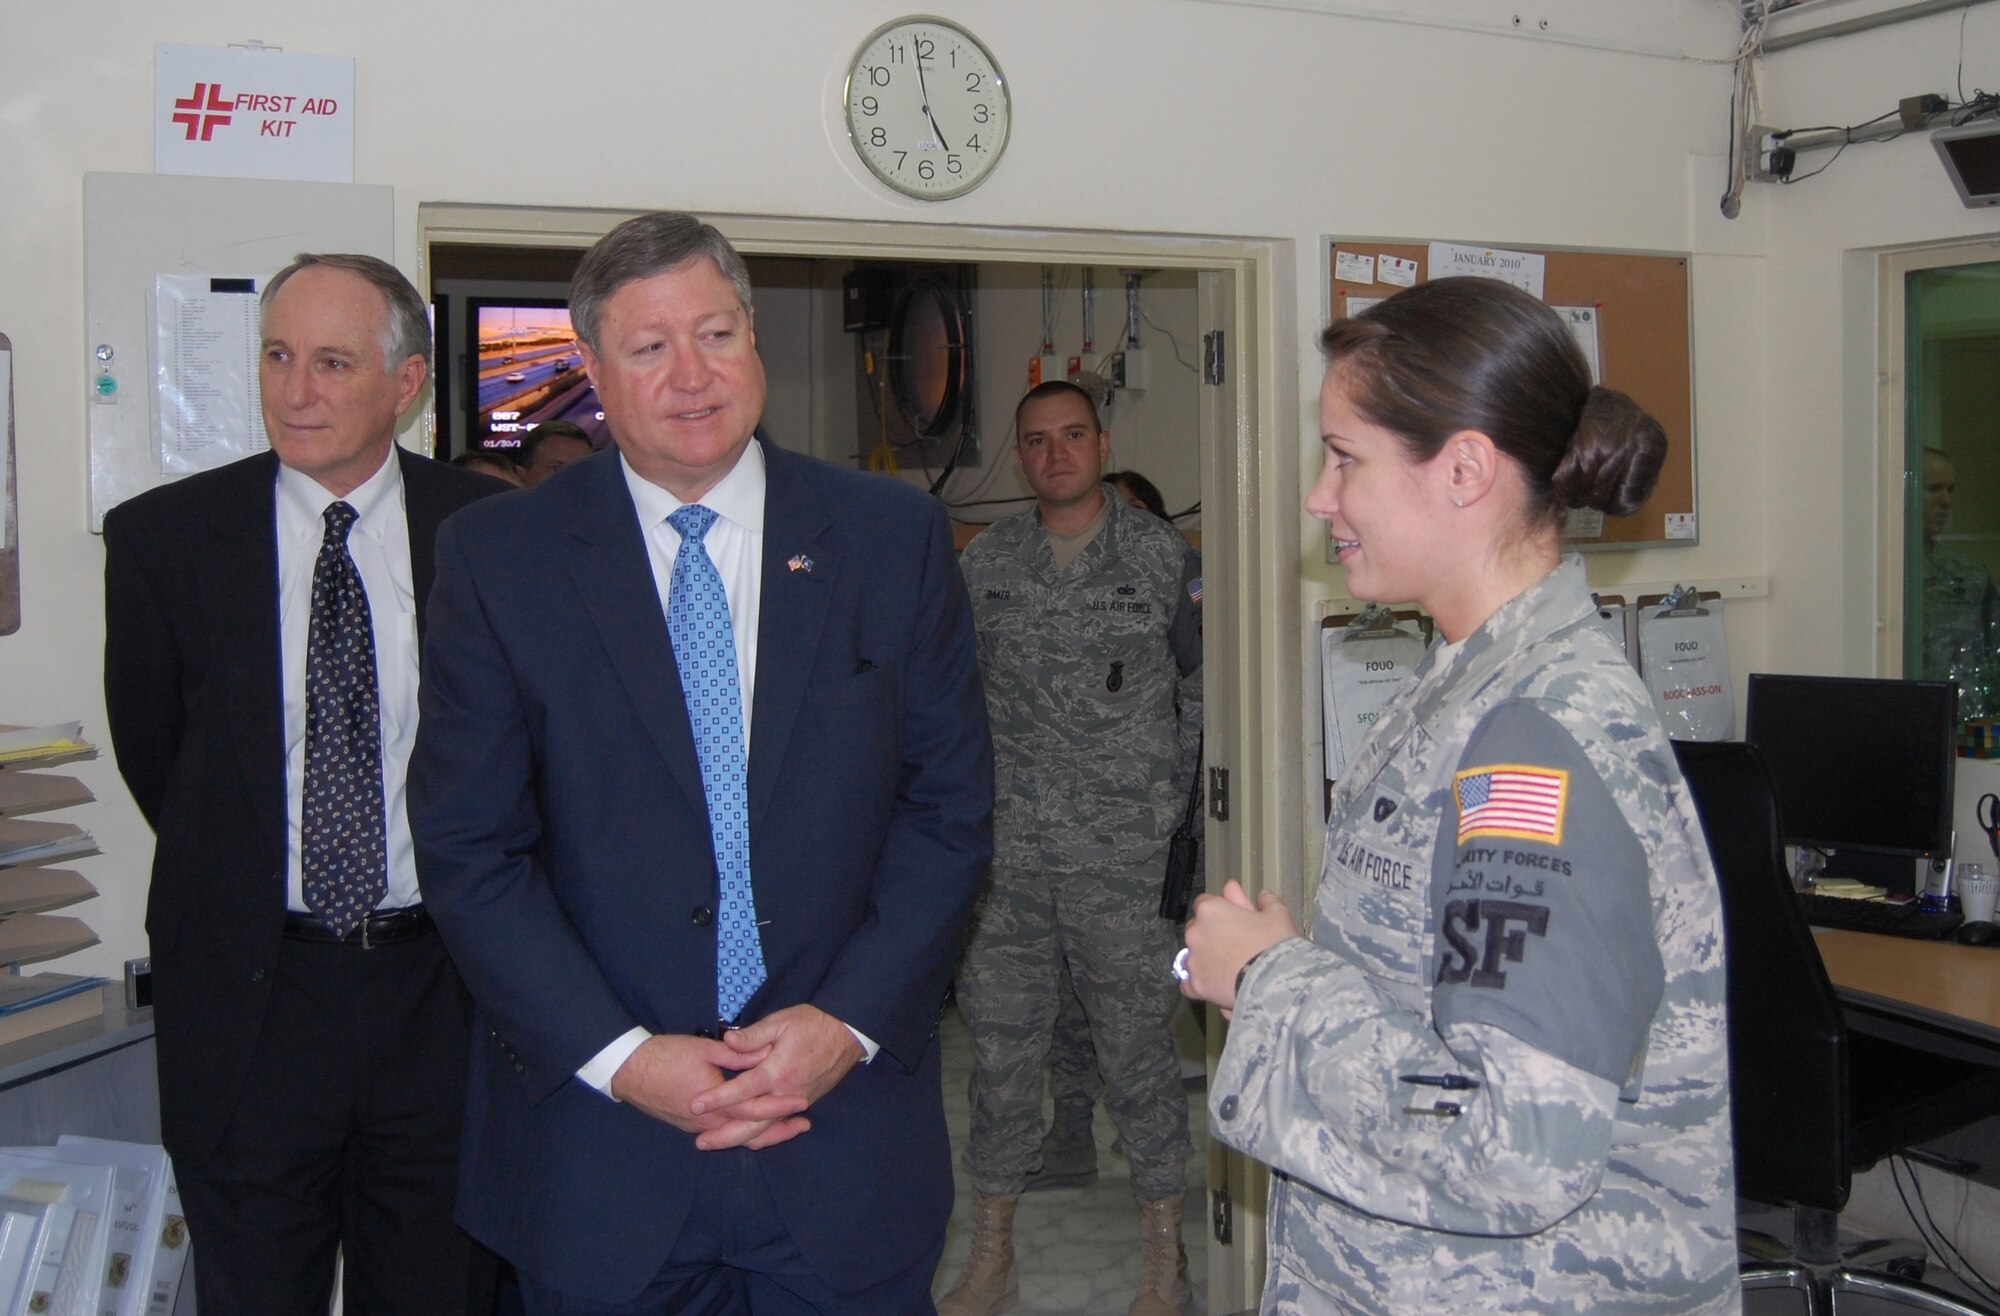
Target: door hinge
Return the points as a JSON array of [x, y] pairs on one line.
[[1224, 1224], [1213, 365], [1218, 794]]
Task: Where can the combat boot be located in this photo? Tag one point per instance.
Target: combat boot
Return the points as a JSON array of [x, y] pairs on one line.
[[990, 1283], [1069, 1152], [1163, 1277]]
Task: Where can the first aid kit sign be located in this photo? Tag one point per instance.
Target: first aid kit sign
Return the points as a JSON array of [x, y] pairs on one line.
[[253, 113]]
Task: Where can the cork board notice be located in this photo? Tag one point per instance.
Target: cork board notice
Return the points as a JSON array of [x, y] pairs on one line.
[[1629, 312]]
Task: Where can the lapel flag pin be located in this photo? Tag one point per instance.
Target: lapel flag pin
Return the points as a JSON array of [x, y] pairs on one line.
[[799, 562]]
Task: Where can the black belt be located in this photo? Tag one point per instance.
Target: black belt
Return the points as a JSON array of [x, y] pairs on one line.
[[383, 929]]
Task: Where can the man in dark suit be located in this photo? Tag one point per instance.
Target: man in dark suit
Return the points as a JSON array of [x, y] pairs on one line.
[[260, 668], [705, 1075]]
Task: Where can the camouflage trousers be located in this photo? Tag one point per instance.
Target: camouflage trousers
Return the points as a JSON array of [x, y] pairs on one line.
[[1073, 1076], [1105, 924]]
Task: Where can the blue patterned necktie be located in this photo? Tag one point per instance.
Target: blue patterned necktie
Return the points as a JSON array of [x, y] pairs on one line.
[[705, 653], [343, 851]]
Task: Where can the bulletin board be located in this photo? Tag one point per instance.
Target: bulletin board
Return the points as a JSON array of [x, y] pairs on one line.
[[1645, 343]]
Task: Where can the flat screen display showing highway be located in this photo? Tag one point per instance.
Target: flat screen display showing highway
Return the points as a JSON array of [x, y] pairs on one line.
[[527, 369]]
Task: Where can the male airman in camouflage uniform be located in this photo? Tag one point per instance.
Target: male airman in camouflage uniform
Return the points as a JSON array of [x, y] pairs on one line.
[[1089, 646], [1517, 911], [1961, 609]]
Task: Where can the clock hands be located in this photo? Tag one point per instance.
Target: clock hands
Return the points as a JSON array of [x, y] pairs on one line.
[[925, 89]]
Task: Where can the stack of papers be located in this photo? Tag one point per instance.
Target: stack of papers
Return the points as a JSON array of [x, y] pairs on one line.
[[40, 1003], [27, 841], [45, 746], [36, 1002], [1846, 888]]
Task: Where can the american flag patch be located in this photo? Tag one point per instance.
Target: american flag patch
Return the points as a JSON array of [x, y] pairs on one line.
[[1194, 590], [1509, 799]]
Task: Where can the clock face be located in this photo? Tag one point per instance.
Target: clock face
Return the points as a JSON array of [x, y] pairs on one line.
[[926, 107]]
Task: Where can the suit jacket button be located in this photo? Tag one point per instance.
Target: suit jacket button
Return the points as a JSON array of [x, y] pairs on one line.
[[702, 916], [256, 975]]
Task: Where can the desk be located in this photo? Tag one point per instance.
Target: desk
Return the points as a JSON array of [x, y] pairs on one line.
[[94, 1078], [1937, 996], [1939, 984]]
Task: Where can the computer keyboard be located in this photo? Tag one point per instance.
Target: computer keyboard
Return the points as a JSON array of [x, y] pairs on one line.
[[1906, 920]]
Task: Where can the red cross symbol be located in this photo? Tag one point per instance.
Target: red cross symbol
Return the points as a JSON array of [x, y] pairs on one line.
[[195, 117]]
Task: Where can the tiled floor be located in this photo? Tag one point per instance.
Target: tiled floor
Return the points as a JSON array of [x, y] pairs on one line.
[[1078, 1248]]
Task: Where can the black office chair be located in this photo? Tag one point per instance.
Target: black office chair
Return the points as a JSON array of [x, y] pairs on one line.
[[1813, 1101]]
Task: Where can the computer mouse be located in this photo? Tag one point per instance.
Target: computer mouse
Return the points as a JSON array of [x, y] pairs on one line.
[[1978, 934]]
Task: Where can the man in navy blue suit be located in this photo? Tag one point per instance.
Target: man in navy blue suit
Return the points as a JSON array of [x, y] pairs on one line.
[[656, 1124]]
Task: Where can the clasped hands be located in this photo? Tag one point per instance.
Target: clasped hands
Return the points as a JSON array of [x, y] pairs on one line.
[[750, 1089], [1225, 933]]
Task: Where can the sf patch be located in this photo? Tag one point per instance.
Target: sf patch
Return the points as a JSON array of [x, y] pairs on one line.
[[1511, 800], [1483, 936]]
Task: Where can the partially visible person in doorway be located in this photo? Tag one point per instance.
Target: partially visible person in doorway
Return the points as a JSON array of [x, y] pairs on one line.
[[489, 463], [1961, 615], [1089, 644], [1069, 1147], [549, 447], [1138, 491]]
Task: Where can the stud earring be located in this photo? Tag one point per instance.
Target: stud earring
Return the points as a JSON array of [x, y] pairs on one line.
[[1458, 502]]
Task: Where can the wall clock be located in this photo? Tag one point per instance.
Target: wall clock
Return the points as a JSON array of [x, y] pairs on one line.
[[927, 108]]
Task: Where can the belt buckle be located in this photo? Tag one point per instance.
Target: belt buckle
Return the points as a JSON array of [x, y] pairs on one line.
[[366, 944]]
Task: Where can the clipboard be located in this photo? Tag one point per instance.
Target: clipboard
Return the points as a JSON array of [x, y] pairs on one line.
[[1695, 601], [1380, 624], [1619, 623]]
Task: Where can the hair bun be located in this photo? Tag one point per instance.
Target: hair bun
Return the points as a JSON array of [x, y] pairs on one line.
[[1615, 458]]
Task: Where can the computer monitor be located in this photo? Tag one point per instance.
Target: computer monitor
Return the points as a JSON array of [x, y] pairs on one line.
[[1862, 767], [523, 367]]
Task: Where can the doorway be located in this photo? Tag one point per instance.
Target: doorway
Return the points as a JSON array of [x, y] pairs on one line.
[[1951, 541], [1941, 468], [1249, 525]]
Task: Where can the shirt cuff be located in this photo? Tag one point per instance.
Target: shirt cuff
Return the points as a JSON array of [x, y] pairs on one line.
[[602, 1066], [868, 1044]]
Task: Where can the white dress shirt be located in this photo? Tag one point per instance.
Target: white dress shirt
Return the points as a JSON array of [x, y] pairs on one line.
[[379, 543], [735, 544]]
